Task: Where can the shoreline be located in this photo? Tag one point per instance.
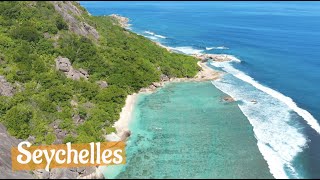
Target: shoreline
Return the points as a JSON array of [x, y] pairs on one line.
[[205, 74], [122, 124]]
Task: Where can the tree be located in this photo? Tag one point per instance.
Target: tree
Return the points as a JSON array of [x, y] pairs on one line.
[[17, 121]]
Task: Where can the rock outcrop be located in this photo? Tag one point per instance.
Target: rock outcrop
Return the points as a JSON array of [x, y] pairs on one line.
[[228, 99], [164, 77], [64, 65], [6, 143], [123, 21], [215, 57], [70, 173], [102, 84], [6, 89], [72, 15]]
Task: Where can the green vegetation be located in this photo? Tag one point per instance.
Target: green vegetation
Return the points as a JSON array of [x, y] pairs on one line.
[[28, 48]]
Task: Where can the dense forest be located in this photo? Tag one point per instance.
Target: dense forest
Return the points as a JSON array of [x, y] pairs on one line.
[[34, 34]]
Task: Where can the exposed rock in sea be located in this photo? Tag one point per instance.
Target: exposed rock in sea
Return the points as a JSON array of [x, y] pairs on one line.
[[6, 89], [228, 99], [254, 101], [125, 135], [71, 14], [64, 65]]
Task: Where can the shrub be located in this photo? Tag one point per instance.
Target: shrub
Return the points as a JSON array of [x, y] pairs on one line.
[[26, 32], [17, 121], [61, 25]]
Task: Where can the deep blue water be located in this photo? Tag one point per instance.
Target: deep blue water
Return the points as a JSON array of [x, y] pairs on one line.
[[278, 44]]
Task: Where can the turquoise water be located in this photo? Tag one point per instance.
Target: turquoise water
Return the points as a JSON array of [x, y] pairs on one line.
[[278, 45], [186, 130]]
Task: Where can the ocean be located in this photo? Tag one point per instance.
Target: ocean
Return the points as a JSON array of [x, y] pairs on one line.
[[277, 44]]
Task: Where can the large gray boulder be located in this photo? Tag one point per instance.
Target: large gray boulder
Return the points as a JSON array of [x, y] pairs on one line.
[[6, 89], [102, 84], [71, 14], [64, 65], [6, 143]]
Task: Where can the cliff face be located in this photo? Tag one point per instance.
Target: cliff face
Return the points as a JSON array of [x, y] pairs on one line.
[[6, 88], [76, 24], [65, 75], [6, 143], [73, 17]]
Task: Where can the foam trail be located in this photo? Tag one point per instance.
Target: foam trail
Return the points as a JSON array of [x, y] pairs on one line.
[[219, 47], [160, 36], [287, 100], [149, 32], [280, 136], [154, 34], [187, 50], [152, 37]]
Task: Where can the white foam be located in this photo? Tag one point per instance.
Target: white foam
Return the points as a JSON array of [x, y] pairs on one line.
[[278, 134], [154, 34], [149, 32], [152, 37], [219, 47], [187, 50], [160, 36], [287, 100]]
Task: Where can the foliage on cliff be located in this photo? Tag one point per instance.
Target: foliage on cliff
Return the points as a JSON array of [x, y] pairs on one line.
[[34, 34]]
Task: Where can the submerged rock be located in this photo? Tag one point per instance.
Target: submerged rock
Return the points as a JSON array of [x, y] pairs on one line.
[[228, 99], [254, 101], [125, 135]]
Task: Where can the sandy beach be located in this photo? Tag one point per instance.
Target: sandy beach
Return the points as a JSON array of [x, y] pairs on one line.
[[205, 74], [122, 125]]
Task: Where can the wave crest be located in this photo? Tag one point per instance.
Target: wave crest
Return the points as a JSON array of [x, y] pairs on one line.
[[276, 129], [219, 47], [154, 34], [187, 50]]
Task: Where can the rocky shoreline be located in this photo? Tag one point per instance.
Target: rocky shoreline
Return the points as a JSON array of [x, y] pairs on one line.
[[205, 74], [123, 21]]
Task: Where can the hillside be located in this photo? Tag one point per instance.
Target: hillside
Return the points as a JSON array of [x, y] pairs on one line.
[[64, 74], [68, 73]]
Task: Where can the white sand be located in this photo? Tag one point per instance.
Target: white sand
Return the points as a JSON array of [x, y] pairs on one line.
[[122, 124]]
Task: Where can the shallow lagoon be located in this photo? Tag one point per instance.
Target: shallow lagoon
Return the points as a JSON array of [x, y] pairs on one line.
[[186, 130]]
